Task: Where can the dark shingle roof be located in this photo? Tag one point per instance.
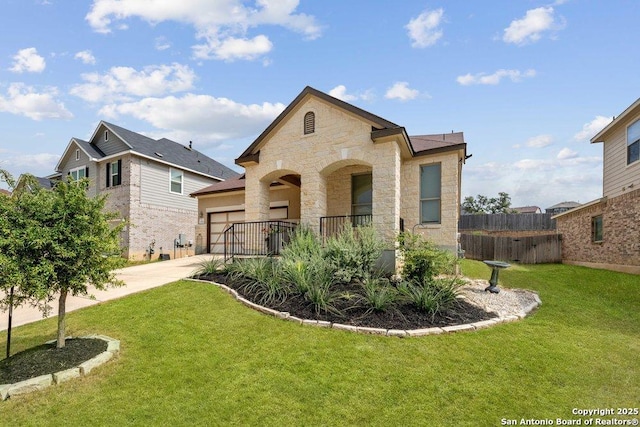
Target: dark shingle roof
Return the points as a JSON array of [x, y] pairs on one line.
[[440, 141], [172, 152], [232, 184], [89, 148]]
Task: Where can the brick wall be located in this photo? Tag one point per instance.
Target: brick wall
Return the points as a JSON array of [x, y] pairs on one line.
[[620, 248]]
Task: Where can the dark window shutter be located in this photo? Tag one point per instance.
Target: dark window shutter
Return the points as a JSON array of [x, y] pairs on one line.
[[119, 176], [86, 172], [108, 175]]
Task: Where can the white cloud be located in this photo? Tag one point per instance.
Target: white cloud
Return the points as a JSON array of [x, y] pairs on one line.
[[28, 60], [202, 116], [567, 153], [24, 100], [222, 25], [86, 57], [530, 28], [425, 30], [162, 43], [589, 130], [120, 83], [495, 78], [340, 92], [233, 48], [401, 91], [540, 141]]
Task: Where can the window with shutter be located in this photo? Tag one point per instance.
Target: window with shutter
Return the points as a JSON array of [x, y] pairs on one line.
[[309, 123], [114, 173]]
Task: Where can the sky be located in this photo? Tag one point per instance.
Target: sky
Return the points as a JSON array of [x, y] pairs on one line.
[[528, 82]]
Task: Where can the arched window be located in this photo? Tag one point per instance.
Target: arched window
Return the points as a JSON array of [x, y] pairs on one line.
[[309, 123]]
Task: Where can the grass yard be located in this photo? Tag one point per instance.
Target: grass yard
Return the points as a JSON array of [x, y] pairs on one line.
[[191, 355]]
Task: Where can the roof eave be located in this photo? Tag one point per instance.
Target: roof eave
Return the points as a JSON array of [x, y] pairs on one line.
[[456, 147], [600, 136]]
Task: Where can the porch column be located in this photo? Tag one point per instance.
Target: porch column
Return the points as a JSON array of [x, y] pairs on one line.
[[386, 192], [313, 199], [256, 198]]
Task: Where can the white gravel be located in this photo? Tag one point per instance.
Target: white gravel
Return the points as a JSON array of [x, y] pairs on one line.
[[508, 302]]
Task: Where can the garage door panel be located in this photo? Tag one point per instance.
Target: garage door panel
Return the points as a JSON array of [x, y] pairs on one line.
[[220, 221]]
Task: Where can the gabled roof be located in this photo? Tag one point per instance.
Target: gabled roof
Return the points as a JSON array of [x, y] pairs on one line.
[[568, 205], [172, 153], [162, 150], [381, 128], [604, 133]]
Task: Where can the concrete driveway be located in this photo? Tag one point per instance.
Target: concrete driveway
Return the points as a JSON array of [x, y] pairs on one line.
[[137, 278]]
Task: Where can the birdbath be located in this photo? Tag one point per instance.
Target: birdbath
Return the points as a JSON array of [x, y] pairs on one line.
[[496, 267]]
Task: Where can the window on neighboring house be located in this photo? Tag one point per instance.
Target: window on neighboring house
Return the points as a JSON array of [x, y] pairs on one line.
[[77, 154], [633, 142], [176, 180], [309, 123], [114, 173], [361, 194], [78, 173], [596, 229], [430, 192]]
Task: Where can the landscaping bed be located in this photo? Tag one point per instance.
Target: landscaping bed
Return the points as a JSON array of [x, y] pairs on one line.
[[47, 359], [406, 316]]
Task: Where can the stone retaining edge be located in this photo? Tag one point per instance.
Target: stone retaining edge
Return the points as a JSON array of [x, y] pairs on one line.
[[44, 381], [483, 324]]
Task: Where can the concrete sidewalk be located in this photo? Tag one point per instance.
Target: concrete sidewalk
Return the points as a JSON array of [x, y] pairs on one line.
[[137, 278]]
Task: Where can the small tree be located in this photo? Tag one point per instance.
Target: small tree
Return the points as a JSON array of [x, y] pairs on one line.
[[57, 242], [84, 247], [485, 205]]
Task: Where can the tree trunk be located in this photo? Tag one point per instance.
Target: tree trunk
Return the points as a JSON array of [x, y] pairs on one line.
[[61, 313], [9, 324]]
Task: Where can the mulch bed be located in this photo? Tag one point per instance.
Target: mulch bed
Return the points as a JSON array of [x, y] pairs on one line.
[[47, 359], [405, 317]]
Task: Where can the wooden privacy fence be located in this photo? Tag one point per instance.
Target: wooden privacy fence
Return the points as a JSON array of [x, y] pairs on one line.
[[524, 250], [511, 222]]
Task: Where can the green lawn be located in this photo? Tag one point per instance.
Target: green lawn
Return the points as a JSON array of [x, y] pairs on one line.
[[191, 355]]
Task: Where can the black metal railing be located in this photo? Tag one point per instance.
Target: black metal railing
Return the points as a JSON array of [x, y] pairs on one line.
[[256, 238], [332, 225]]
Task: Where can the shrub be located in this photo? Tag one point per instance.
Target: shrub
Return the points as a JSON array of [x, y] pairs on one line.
[[353, 252], [209, 266], [431, 296], [261, 277], [303, 245], [378, 294], [422, 259]]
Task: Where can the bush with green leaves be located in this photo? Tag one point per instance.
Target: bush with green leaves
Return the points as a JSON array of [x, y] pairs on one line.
[[422, 260], [353, 252], [209, 266], [303, 244], [431, 296], [378, 295], [261, 277]]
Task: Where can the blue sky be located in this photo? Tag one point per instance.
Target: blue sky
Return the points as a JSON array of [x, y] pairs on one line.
[[528, 82]]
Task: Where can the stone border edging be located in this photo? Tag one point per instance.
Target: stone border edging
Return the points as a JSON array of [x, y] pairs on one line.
[[379, 331], [44, 381]]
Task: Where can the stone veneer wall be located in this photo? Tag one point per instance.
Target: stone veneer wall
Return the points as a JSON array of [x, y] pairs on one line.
[[445, 233], [620, 249]]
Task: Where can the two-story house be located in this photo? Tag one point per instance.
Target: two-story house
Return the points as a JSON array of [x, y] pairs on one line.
[[148, 182], [605, 233], [325, 162]]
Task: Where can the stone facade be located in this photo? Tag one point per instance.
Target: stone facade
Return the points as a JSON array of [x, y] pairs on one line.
[[620, 247], [340, 147]]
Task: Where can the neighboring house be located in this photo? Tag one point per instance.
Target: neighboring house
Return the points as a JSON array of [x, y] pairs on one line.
[[527, 209], [147, 181], [323, 158], [561, 207], [605, 233]]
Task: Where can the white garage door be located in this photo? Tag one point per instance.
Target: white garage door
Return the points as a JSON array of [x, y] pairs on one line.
[[220, 221]]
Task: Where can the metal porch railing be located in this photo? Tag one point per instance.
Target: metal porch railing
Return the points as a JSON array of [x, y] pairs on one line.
[[256, 238]]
